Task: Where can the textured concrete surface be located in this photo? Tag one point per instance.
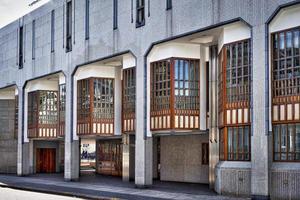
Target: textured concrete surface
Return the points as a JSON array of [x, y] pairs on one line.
[[91, 186], [8, 139], [104, 41], [181, 159], [13, 194]]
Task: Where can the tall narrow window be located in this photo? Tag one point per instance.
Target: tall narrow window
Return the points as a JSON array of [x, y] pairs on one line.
[[286, 95], [52, 29], [69, 27], [128, 104], [169, 4], [62, 110], [33, 39], [21, 42], [115, 14], [87, 19], [175, 96], [234, 101], [140, 13]]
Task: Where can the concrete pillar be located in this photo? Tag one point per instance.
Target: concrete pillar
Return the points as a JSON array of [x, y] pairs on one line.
[[23, 164], [72, 150], [143, 143], [259, 139], [213, 115], [126, 158], [202, 89]]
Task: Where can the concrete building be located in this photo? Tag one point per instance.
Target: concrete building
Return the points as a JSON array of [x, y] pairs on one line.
[[190, 91]]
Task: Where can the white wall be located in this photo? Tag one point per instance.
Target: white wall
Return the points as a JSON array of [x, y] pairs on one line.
[[285, 19], [234, 32], [128, 61], [7, 94]]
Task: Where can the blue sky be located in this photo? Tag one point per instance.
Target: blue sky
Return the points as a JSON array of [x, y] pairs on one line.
[[11, 10]]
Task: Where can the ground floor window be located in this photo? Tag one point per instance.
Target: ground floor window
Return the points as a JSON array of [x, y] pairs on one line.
[[286, 142], [235, 143]]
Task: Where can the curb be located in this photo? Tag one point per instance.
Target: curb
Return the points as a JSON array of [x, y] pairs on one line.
[[53, 192]]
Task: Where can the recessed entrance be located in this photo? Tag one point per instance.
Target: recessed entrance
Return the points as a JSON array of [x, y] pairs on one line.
[[45, 160]]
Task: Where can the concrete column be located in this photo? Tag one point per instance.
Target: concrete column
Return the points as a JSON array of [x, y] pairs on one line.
[[202, 89], [143, 143], [259, 139], [72, 150], [126, 158], [23, 164], [213, 115]]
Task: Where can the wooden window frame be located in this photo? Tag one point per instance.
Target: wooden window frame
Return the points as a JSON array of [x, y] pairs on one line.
[[169, 115], [234, 61], [128, 99], [140, 11], [288, 145], [44, 116], [61, 109], [89, 120]]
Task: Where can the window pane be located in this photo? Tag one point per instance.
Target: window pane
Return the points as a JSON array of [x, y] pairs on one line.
[[229, 142], [283, 142], [297, 142]]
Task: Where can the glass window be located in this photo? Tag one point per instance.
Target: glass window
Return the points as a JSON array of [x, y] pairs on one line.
[[286, 142], [176, 97], [286, 65], [52, 29], [169, 4], [115, 11], [69, 27], [87, 19], [238, 143], [129, 79], [140, 13], [21, 41]]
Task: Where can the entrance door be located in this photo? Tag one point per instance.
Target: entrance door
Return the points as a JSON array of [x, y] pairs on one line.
[[109, 158], [45, 160]]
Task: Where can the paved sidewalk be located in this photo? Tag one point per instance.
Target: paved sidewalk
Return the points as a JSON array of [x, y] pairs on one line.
[[100, 187]]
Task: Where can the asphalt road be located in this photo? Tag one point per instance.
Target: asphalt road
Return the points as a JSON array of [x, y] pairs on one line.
[[12, 194]]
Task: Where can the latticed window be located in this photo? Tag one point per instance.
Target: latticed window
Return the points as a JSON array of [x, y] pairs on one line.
[[175, 94], [234, 91], [286, 94], [95, 106], [42, 114], [286, 142], [128, 104], [62, 109]]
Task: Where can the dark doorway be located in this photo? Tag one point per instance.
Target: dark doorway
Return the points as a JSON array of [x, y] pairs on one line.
[[45, 160]]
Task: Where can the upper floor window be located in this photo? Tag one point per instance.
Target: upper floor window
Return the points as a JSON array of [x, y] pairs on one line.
[[128, 104], [169, 4], [140, 13], [95, 106], [52, 29], [69, 27], [286, 63], [115, 15], [33, 39], [21, 42], [42, 114], [234, 91], [87, 19], [175, 94]]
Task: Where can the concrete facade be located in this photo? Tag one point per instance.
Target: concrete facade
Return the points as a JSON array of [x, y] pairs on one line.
[[8, 137], [162, 28]]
